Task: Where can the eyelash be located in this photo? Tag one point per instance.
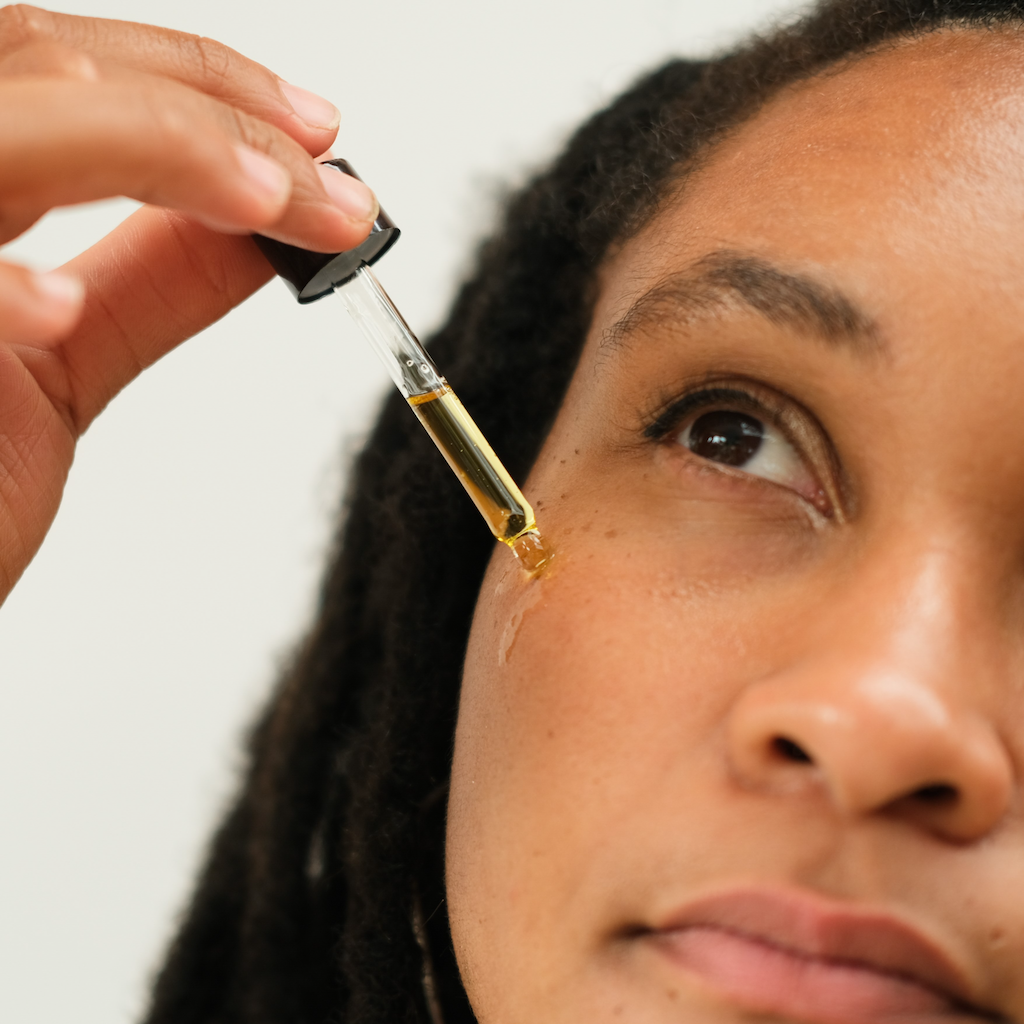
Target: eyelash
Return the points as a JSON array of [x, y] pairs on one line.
[[671, 420]]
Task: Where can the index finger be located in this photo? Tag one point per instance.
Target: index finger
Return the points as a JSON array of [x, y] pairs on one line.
[[201, 63]]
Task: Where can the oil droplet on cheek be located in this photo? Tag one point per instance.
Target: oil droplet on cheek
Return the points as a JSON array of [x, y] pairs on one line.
[[529, 548], [508, 636], [525, 603]]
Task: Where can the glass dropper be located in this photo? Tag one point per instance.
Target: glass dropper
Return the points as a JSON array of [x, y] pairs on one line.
[[507, 513], [312, 275]]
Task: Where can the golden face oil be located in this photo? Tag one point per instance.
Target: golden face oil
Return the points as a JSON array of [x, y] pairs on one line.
[[505, 510]]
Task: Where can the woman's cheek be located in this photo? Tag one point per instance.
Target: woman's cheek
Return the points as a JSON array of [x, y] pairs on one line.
[[587, 688], [571, 677], [581, 689]]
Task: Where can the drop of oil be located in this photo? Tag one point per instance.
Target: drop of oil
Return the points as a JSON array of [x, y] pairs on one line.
[[529, 549]]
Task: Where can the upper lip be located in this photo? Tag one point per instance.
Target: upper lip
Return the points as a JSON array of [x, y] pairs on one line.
[[817, 927]]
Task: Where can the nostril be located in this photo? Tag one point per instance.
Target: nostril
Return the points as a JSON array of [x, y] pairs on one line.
[[936, 794], [790, 751]]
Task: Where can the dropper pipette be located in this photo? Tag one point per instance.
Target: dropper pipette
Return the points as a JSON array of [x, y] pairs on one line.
[[312, 275]]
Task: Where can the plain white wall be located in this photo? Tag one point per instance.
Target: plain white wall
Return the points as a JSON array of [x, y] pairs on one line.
[[185, 558]]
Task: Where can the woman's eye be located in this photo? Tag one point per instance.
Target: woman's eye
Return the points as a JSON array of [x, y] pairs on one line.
[[733, 438], [745, 442]]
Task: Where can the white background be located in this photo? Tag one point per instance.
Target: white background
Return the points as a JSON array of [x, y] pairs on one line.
[[185, 558]]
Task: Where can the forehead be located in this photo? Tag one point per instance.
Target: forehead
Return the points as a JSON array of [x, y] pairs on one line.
[[900, 172]]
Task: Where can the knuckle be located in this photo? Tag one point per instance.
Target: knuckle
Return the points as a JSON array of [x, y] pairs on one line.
[[181, 130], [183, 134], [76, 63], [268, 79], [241, 127], [50, 57], [173, 126], [306, 185], [213, 60], [168, 136], [21, 25], [265, 137]]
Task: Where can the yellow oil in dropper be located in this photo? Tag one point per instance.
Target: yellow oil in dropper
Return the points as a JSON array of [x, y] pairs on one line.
[[507, 513]]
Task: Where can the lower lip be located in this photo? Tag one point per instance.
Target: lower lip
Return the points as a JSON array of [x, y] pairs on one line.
[[767, 979]]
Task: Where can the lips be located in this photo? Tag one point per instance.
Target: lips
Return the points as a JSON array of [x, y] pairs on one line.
[[815, 960]]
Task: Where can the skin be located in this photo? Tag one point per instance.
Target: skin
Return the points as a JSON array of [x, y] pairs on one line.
[[216, 145], [616, 751]]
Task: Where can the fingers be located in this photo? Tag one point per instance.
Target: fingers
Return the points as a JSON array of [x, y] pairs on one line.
[[175, 157], [35, 456], [199, 63], [37, 308], [35, 445], [70, 141], [92, 108], [156, 280]]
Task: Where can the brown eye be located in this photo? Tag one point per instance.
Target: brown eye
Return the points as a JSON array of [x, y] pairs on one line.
[[752, 430], [755, 445], [725, 436]]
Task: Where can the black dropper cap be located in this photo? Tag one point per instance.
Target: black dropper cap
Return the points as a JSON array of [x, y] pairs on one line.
[[312, 275]]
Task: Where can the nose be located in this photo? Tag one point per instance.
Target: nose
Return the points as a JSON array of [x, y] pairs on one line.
[[891, 705], [874, 742]]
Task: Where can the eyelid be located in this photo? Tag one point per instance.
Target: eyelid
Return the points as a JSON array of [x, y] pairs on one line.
[[800, 426], [700, 398]]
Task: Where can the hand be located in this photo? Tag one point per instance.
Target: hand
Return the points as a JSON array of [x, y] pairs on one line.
[[217, 145]]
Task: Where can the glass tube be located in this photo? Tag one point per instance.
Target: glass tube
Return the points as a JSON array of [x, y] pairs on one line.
[[507, 513]]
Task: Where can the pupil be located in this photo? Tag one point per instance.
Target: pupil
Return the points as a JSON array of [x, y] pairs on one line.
[[724, 436]]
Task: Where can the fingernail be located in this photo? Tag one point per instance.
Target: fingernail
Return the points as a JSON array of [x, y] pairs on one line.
[[313, 109], [57, 289], [349, 194], [266, 176]]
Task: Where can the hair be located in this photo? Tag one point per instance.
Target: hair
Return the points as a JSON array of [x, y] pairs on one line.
[[322, 899]]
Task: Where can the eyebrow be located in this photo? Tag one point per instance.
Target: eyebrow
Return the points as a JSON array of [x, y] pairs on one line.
[[723, 278]]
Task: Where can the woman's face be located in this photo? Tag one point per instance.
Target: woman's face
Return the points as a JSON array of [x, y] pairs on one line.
[[752, 749]]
